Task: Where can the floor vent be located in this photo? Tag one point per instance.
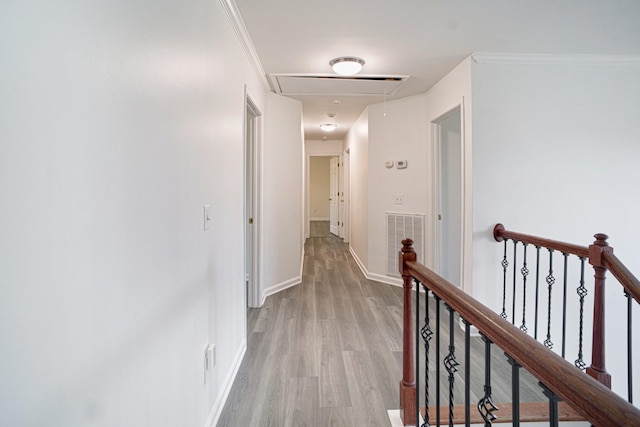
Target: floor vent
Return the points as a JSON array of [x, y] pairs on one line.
[[399, 227]]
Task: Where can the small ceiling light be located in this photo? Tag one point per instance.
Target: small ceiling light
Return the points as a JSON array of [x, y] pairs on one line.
[[347, 65], [328, 127]]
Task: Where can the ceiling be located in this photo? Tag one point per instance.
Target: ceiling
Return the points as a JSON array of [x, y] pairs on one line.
[[423, 39]]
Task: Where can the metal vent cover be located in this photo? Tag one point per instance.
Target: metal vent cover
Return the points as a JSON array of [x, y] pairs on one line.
[[399, 227], [312, 84]]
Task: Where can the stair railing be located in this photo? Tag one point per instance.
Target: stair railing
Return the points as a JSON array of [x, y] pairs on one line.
[[560, 381]]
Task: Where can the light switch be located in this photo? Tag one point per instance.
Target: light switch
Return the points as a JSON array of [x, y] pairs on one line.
[[207, 217], [399, 199]]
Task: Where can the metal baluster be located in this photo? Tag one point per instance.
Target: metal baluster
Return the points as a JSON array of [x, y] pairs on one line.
[[550, 281], [553, 406], [467, 373], [486, 406], [525, 272], [417, 350], [450, 362], [437, 360], [515, 390], [629, 347], [535, 333], [504, 264], [427, 334], [564, 305], [582, 292], [513, 304]]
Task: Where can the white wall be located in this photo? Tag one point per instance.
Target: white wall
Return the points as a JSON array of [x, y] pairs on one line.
[[319, 191], [397, 131], [282, 203], [118, 124], [555, 153], [357, 142]]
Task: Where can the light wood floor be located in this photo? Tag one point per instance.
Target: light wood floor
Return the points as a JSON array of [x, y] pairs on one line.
[[328, 352]]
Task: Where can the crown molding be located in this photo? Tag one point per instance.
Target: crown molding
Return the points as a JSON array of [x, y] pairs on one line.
[[233, 13], [533, 59]]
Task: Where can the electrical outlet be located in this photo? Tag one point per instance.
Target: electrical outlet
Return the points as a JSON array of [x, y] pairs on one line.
[[399, 199]]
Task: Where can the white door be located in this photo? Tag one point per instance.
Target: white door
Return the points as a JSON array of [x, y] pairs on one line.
[[450, 178], [250, 203], [333, 196]]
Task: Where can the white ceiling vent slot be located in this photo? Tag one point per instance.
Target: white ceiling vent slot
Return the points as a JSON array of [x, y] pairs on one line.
[[289, 84], [399, 227]]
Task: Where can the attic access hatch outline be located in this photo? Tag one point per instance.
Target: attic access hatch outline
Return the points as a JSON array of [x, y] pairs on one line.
[[314, 84]]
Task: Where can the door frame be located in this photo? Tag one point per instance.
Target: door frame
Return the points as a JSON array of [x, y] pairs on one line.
[[307, 180], [465, 194], [252, 192]]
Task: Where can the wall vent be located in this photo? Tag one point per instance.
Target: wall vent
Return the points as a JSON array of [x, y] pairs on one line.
[[399, 227]]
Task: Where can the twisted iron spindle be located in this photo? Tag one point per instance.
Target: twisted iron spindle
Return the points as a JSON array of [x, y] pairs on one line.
[[417, 349], [564, 305], [550, 281], [535, 330], [582, 292], [486, 407], [513, 303], [504, 264], [525, 272], [450, 362], [515, 390], [467, 372], [426, 334], [629, 348]]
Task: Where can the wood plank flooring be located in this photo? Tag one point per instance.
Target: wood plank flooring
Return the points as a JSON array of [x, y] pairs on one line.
[[328, 352]]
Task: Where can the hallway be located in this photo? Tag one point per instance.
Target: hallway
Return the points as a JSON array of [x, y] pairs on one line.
[[327, 352]]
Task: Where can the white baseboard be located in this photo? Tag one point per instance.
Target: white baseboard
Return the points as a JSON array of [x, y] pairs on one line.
[[372, 276], [212, 420], [280, 287]]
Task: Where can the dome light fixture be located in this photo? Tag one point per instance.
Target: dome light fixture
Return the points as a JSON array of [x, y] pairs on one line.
[[328, 127], [347, 65]]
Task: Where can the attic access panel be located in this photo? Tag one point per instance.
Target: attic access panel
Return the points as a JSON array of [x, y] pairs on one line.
[[287, 84]]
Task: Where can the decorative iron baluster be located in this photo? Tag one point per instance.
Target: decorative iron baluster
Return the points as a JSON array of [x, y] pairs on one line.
[[525, 272], [553, 405], [504, 264], [486, 407], [564, 305], [629, 348], [467, 373], [515, 390], [437, 359], [450, 362], [582, 292], [515, 267], [535, 331], [417, 350], [550, 281], [426, 334]]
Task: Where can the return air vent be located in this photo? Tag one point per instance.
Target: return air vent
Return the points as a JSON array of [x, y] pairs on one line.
[[399, 227], [288, 84]]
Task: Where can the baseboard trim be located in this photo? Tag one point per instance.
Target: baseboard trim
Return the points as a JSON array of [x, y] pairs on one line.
[[372, 276], [280, 287], [212, 420]]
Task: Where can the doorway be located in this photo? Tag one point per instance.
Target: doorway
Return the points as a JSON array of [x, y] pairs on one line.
[[324, 195], [251, 191], [447, 134]]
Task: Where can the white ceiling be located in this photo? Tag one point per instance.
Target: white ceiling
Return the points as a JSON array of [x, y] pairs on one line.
[[424, 39]]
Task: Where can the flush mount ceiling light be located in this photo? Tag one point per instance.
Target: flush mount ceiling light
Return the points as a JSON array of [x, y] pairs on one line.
[[328, 127], [347, 65]]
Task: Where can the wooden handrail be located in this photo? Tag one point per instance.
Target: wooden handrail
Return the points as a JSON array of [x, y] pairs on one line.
[[499, 233], [628, 281], [593, 400]]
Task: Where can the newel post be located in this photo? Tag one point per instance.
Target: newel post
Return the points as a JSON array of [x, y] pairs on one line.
[[598, 369], [408, 384]]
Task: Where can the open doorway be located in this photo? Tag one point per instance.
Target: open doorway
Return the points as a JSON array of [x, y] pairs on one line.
[[447, 131], [251, 201], [323, 196]]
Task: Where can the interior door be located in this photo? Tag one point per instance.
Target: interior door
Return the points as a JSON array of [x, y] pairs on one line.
[[451, 197], [333, 196]]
